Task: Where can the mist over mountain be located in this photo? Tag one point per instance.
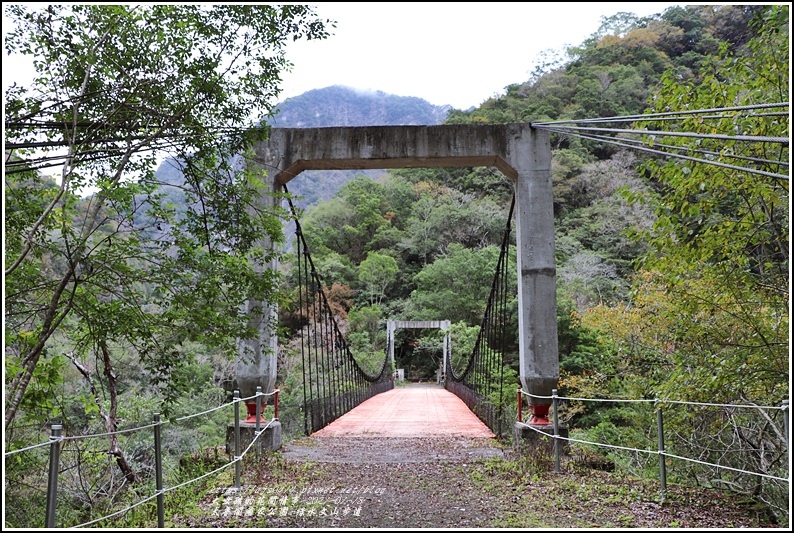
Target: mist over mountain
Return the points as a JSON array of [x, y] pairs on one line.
[[343, 106]]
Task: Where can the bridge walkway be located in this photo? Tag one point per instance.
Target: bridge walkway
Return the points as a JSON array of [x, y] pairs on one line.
[[416, 410]]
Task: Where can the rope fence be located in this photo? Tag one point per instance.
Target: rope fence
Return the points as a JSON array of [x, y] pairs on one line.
[[660, 451], [56, 438]]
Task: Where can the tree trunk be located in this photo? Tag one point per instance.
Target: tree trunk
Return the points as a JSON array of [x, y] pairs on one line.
[[52, 320], [109, 416]]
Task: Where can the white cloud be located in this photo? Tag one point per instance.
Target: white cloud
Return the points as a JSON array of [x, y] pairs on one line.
[[447, 53]]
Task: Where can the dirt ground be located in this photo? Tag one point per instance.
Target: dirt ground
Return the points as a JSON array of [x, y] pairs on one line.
[[351, 483]]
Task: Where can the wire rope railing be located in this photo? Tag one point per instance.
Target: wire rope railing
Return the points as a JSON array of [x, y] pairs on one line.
[[774, 456], [57, 439], [663, 451]]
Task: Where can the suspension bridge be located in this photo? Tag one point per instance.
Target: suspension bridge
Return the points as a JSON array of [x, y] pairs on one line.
[[341, 397], [334, 382]]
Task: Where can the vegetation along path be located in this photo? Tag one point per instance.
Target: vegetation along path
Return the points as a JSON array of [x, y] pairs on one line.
[[388, 477]]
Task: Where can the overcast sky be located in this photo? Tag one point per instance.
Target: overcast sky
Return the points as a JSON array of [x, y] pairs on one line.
[[458, 53]]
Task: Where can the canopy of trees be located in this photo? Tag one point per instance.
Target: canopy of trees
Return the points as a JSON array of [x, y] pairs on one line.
[[111, 290]]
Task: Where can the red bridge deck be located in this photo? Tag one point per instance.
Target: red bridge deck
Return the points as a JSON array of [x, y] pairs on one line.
[[410, 411]]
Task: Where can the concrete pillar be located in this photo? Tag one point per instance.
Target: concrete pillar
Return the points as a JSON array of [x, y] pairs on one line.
[[256, 363], [530, 156], [390, 327], [271, 437]]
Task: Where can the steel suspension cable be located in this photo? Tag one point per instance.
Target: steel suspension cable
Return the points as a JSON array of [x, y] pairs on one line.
[[659, 133], [631, 143], [632, 118], [680, 156], [504, 320], [334, 381]]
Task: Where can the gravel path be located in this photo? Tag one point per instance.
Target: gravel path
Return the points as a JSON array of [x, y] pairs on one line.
[[358, 451], [416, 457], [344, 482]]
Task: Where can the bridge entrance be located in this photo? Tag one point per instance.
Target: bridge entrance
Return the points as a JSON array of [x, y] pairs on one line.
[[519, 151]]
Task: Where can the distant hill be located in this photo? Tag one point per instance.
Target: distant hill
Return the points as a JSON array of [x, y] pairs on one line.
[[343, 106], [338, 106]]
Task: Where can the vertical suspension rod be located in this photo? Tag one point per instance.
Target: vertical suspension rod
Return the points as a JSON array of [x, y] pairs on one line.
[[302, 285], [321, 351], [503, 339], [318, 379]]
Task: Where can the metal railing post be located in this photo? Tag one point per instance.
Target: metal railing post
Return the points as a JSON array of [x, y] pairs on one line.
[[158, 469], [237, 438], [258, 427], [52, 482], [519, 406], [786, 424], [275, 405], [660, 433], [557, 469]]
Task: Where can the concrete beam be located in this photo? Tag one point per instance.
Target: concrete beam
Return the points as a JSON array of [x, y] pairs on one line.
[[290, 151], [420, 324]]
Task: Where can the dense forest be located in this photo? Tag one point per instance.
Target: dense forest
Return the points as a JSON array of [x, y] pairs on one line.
[[672, 275]]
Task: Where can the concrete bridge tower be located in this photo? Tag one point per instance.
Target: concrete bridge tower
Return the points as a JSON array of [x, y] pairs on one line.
[[519, 151]]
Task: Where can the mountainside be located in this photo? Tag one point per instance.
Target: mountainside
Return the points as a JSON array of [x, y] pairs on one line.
[[344, 106]]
